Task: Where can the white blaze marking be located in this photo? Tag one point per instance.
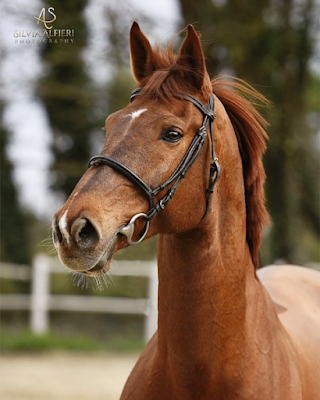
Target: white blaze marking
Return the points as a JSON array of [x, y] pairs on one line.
[[136, 114], [63, 221], [63, 225]]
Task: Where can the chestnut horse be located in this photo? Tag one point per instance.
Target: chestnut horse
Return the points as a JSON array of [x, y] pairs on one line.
[[225, 330]]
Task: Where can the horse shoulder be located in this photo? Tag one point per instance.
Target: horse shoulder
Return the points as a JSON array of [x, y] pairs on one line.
[[295, 292]]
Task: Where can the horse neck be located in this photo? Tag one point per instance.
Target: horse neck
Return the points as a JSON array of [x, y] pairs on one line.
[[202, 291]]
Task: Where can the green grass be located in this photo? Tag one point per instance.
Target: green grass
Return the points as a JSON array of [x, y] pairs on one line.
[[29, 342]]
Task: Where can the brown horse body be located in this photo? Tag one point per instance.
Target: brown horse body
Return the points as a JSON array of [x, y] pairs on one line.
[[220, 334]]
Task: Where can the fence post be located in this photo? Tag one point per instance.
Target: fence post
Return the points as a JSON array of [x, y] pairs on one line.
[[39, 316], [151, 319]]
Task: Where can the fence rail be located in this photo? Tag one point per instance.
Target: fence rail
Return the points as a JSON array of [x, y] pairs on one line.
[[40, 302]]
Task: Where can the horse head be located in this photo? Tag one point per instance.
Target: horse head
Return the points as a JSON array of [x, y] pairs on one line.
[[150, 137], [159, 157]]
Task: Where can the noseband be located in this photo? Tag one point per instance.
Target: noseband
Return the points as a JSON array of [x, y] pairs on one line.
[[188, 159]]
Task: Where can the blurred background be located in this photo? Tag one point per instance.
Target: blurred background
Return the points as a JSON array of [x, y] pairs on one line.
[[55, 98]]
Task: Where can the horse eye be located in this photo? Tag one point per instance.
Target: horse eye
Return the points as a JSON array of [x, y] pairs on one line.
[[172, 136]]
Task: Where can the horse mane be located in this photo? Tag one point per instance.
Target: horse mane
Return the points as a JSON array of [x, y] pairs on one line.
[[238, 99]]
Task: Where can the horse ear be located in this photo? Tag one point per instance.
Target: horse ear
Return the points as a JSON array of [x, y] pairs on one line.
[[191, 56], [141, 53]]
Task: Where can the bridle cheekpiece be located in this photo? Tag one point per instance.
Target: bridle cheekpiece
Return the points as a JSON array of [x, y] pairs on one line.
[[187, 161]]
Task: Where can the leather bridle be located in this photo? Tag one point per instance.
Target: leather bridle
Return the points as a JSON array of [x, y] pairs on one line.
[[187, 161]]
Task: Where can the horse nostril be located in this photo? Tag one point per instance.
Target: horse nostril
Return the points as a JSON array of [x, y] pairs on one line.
[[84, 233]]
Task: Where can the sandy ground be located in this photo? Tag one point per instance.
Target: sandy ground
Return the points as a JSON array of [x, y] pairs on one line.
[[64, 376]]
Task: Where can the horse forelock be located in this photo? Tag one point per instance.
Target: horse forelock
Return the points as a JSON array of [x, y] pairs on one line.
[[169, 77]]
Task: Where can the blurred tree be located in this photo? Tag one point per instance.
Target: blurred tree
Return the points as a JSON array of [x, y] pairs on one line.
[[67, 95], [270, 45], [14, 237]]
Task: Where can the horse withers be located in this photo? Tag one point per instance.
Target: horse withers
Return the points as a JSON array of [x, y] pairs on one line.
[[184, 160]]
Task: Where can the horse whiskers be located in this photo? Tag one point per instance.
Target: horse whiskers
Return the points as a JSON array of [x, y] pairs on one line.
[[110, 279], [47, 242], [101, 281], [80, 280], [83, 281]]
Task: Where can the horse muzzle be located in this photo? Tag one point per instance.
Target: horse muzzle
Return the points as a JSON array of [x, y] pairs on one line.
[[80, 245]]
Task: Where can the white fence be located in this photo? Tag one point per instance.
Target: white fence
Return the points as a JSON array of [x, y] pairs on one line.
[[40, 302]]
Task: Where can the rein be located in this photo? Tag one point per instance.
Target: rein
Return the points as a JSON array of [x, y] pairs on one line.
[[187, 161]]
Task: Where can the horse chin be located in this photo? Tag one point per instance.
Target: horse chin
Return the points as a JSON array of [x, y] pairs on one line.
[[103, 265], [92, 264]]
